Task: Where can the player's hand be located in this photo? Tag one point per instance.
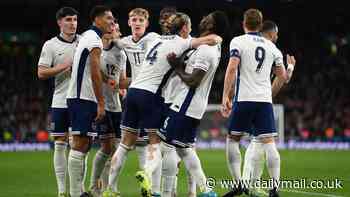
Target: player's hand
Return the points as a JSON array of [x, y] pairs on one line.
[[100, 112], [122, 92], [214, 39], [226, 107], [66, 66], [173, 60], [291, 59], [112, 84]]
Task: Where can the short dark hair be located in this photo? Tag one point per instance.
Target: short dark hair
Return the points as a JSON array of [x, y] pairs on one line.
[[167, 9], [98, 10], [221, 23], [253, 19], [66, 11], [180, 19], [269, 26]]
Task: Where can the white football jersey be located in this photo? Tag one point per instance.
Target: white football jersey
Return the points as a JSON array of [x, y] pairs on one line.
[[170, 90], [194, 101], [80, 85], [136, 50], [155, 67], [257, 56], [56, 51], [113, 64]]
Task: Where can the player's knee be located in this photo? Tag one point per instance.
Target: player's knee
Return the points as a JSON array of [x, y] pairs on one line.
[[129, 138], [153, 138], [236, 138], [267, 140], [61, 138], [107, 146], [81, 143]]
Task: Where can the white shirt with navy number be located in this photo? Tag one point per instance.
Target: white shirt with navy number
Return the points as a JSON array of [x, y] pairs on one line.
[[57, 51], [257, 56], [136, 50], [80, 85], [171, 88], [206, 58], [113, 64], [155, 69]]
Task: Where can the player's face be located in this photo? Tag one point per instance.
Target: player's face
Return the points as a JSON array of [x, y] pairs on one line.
[[138, 24], [206, 23], [165, 22], [68, 24], [274, 36], [106, 22], [110, 35]]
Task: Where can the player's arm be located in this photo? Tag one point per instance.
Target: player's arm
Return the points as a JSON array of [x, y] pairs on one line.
[[45, 70], [283, 76], [124, 81], [211, 39], [96, 79], [193, 79], [229, 84]]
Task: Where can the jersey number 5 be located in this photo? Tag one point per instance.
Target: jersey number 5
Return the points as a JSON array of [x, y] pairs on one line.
[[259, 57], [152, 55]]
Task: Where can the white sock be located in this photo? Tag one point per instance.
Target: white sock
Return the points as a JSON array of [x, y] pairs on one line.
[[117, 163], [191, 184], [233, 155], [193, 165], [104, 175], [97, 167], [156, 178], [153, 158], [169, 166], [254, 159], [141, 153], [178, 160], [76, 171], [85, 172], [273, 161], [60, 165]]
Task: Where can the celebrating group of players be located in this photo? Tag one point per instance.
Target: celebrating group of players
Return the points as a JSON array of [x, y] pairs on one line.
[[164, 101]]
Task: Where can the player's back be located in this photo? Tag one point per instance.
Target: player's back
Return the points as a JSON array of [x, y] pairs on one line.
[[155, 69], [257, 56]]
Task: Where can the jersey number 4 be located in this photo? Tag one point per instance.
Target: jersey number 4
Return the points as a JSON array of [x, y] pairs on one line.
[[152, 55], [259, 57]]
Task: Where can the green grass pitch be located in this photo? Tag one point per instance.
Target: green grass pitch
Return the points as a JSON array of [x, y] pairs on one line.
[[31, 174]]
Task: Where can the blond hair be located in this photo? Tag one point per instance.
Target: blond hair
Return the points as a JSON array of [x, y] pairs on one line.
[[139, 12]]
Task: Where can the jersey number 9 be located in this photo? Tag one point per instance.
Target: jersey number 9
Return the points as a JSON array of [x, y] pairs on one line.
[[259, 57]]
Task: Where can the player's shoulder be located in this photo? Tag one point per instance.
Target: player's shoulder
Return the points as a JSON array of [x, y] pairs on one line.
[[91, 34], [209, 51], [52, 41], [152, 35]]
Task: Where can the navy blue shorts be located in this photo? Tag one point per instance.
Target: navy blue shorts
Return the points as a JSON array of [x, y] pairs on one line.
[[59, 124], [109, 127], [82, 114], [254, 118], [142, 110], [179, 130]]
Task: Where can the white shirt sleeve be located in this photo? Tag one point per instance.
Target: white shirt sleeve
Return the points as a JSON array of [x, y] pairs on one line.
[[94, 42], [46, 56], [204, 58], [235, 48], [278, 57], [123, 58]]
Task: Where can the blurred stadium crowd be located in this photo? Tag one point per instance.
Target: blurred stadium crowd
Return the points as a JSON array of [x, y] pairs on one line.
[[317, 100]]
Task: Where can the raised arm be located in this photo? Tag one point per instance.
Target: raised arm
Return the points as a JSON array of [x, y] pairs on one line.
[[211, 40]]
